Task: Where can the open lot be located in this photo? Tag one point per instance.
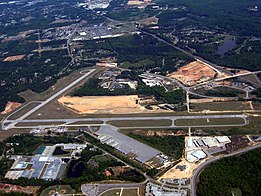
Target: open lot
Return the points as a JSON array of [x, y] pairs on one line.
[[103, 104], [59, 85], [10, 106], [7, 189], [210, 121], [193, 73], [112, 192], [130, 189], [53, 110], [10, 132], [22, 110], [14, 58], [140, 123], [60, 189], [222, 106]]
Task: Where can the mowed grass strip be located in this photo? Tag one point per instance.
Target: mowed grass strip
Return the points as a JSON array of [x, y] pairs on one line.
[[86, 122], [112, 192], [221, 106], [24, 124], [23, 111], [140, 123], [130, 192], [61, 189], [209, 121]]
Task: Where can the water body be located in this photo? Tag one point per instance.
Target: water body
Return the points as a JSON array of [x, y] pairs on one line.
[[226, 46], [75, 169]]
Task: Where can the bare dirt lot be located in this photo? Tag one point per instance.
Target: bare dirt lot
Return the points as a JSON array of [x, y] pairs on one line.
[[10, 106], [14, 58], [193, 73], [103, 104], [8, 188], [136, 3], [176, 173]]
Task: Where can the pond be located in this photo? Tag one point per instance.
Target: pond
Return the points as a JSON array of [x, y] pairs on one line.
[[59, 151], [226, 46], [75, 169]]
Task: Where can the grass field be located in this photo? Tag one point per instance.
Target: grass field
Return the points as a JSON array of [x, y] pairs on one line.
[[129, 192], [102, 158], [125, 192], [10, 132], [60, 84], [57, 109], [254, 127], [22, 124], [86, 122], [140, 123], [61, 189], [113, 192], [210, 121], [221, 106], [23, 111]]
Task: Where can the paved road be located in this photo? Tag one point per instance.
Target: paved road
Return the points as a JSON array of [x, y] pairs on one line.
[[197, 171], [106, 121], [186, 88], [216, 67], [46, 101]]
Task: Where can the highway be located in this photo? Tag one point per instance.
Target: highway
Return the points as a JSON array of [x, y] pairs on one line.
[[197, 171], [47, 100]]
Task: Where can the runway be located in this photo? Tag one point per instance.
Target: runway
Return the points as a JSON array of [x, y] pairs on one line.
[[68, 122]]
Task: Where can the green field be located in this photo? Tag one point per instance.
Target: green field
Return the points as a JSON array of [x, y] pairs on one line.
[[209, 121], [129, 192], [102, 158], [140, 123], [61, 189], [116, 192], [112, 192], [221, 106]]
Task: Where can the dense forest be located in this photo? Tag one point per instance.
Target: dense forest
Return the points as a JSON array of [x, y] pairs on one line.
[[236, 18], [233, 16], [139, 52], [34, 72], [231, 175]]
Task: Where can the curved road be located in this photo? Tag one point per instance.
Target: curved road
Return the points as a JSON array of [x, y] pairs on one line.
[[202, 166]]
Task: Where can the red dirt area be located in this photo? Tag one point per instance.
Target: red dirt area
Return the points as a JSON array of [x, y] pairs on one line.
[[7, 188], [10, 106], [14, 58], [193, 73]]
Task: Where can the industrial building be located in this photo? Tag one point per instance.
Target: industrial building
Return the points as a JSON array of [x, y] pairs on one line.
[[198, 148], [43, 165], [140, 152]]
